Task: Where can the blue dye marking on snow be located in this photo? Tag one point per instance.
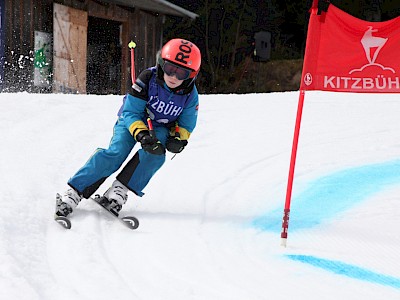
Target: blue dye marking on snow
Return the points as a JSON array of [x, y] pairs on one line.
[[348, 270], [333, 194]]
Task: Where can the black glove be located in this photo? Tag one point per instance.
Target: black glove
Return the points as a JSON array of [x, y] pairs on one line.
[[175, 144], [150, 143]]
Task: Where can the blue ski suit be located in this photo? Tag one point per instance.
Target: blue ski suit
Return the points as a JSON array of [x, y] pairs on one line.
[[151, 98]]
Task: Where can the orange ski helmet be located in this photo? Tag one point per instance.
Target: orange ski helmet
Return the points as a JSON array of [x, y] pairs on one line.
[[182, 53]]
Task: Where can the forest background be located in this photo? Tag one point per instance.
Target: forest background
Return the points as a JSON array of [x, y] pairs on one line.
[[225, 31]]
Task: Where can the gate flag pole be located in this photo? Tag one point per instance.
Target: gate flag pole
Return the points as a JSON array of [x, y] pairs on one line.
[[286, 211]]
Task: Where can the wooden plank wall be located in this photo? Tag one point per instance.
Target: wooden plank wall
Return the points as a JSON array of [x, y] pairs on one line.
[[148, 39], [70, 48], [23, 17]]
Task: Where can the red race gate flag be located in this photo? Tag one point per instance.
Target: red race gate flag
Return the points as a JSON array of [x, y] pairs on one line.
[[344, 54], [347, 54]]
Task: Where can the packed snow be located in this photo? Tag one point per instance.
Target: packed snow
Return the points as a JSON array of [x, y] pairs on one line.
[[210, 219]]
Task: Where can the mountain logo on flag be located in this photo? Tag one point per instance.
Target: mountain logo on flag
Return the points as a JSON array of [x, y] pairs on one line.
[[372, 46]]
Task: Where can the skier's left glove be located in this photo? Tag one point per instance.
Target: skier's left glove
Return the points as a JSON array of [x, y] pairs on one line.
[[175, 144]]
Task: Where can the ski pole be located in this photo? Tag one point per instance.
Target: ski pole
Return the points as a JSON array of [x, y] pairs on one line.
[[132, 46], [177, 135]]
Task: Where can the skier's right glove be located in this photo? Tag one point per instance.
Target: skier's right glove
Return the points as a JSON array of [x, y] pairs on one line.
[[150, 143]]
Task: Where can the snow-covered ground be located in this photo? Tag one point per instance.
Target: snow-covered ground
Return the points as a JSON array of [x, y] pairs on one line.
[[210, 219]]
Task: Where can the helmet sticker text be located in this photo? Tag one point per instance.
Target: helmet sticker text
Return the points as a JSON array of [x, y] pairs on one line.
[[185, 49]]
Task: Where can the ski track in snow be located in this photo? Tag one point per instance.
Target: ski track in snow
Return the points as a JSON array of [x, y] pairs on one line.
[[209, 222]]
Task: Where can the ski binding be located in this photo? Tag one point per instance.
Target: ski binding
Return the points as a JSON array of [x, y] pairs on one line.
[[129, 221]]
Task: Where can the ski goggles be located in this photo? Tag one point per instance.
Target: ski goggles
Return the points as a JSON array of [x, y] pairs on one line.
[[171, 69]]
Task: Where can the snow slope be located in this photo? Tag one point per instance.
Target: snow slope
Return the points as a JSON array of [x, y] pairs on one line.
[[210, 219]]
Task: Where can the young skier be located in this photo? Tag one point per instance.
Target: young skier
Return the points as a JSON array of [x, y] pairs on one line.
[[167, 96]]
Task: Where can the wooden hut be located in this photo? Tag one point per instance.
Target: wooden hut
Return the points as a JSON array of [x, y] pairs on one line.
[[79, 46]]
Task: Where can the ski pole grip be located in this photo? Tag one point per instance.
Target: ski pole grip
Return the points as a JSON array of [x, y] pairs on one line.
[[177, 134], [150, 125]]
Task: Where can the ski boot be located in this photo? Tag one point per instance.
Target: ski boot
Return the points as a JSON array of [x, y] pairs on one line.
[[115, 197], [67, 202]]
